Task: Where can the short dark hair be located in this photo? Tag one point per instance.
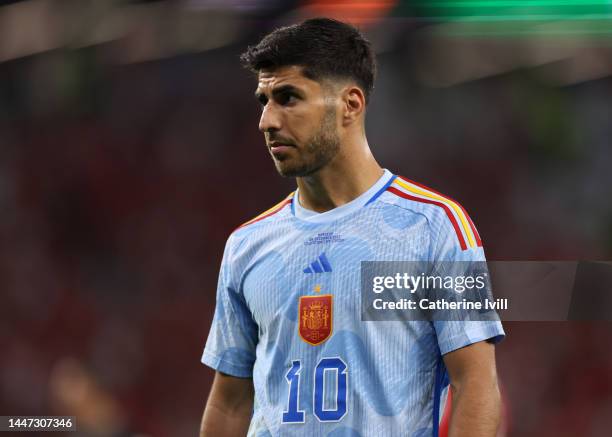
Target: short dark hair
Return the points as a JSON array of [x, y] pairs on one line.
[[324, 47]]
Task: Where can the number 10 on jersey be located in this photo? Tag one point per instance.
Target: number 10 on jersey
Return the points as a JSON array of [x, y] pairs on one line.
[[293, 414]]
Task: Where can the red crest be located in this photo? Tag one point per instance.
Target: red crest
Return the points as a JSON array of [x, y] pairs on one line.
[[315, 318]]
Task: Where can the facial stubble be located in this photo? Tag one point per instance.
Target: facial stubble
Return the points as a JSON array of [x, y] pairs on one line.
[[322, 147]]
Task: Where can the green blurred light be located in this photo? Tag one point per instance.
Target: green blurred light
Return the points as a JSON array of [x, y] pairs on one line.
[[517, 17], [515, 10]]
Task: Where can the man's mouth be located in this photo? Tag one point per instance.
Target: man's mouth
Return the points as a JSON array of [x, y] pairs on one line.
[[276, 144], [279, 149]]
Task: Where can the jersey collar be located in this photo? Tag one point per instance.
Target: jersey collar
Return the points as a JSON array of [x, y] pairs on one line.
[[334, 214]]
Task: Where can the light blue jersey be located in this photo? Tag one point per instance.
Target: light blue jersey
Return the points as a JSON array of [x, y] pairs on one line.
[[288, 315]]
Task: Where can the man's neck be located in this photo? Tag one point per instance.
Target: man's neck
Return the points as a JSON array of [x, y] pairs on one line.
[[343, 179]]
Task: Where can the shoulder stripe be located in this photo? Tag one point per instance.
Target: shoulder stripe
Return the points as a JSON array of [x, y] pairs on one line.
[[276, 208], [474, 230], [469, 219], [450, 215], [467, 226]]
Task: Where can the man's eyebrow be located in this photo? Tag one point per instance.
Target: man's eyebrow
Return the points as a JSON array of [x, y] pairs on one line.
[[286, 89], [276, 91]]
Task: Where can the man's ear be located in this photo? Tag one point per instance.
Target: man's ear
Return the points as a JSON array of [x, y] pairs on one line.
[[353, 104]]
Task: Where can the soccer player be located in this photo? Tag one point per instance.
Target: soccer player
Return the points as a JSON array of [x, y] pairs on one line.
[[291, 353]]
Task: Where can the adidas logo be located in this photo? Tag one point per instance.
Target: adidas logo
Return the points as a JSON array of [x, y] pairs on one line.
[[320, 265]]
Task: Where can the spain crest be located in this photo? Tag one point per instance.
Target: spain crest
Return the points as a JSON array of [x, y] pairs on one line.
[[316, 318]]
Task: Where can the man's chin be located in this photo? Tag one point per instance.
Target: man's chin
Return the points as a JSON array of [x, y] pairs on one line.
[[291, 170], [288, 172]]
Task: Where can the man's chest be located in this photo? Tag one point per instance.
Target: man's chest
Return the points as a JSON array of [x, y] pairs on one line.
[[293, 266]]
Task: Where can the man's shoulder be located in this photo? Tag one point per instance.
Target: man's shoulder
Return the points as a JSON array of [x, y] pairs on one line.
[[413, 197], [277, 212], [441, 211], [246, 241]]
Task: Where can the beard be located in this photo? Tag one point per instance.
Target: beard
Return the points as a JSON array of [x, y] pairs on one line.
[[319, 150]]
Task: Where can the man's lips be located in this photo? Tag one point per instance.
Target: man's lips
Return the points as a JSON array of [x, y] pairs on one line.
[[274, 144], [278, 148]]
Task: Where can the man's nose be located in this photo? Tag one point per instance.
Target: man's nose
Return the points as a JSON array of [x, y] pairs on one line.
[[270, 119]]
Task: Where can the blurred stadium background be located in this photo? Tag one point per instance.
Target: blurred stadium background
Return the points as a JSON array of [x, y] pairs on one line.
[[129, 151]]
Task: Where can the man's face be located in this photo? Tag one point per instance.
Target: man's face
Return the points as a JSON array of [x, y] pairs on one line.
[[298, 121]]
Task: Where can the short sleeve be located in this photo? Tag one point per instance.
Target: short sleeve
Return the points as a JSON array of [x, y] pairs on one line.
[[231, 343], [448, 250]]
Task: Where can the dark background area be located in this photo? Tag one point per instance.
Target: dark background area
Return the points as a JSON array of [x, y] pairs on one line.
[[129, 151]]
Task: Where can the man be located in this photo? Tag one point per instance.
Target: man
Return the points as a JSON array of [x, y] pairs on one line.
[[292, 355]]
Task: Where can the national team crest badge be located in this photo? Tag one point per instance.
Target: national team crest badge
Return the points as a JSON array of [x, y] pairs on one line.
[[316, 318]]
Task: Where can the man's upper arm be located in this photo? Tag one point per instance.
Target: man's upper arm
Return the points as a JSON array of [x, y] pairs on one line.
[[476, 399], [231, 343], [232, 394], [229, 407], [457, 329], [474, 361]]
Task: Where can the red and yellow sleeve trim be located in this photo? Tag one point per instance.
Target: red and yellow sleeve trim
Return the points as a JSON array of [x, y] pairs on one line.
[[276, 208], [464, 227]]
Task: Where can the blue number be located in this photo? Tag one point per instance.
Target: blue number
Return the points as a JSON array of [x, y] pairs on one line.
[[293, 415], [335, 414], [339, 367]]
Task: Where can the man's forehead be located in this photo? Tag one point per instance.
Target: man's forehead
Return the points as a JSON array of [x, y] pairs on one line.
[[292, 74]]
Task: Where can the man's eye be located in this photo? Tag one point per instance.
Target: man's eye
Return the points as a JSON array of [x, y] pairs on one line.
[[285, 99]]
